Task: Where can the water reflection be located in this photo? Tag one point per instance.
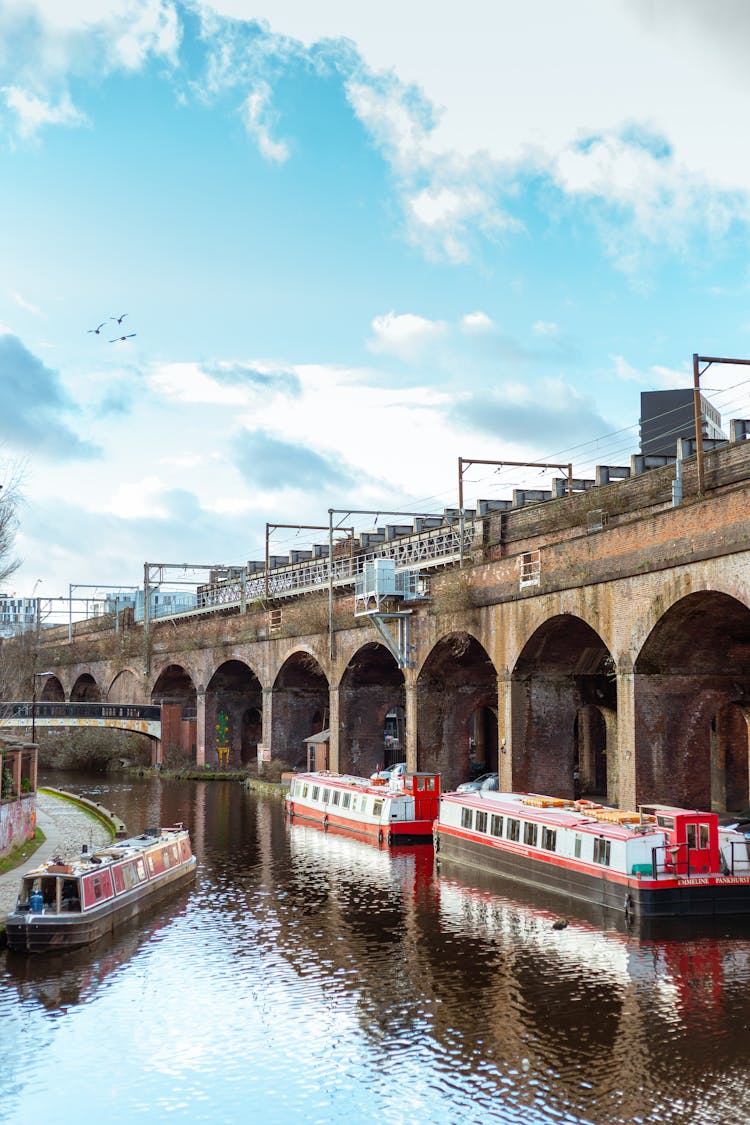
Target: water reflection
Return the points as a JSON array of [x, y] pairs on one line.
[[313, 977]]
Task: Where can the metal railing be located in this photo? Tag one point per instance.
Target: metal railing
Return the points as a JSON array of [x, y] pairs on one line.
[[438, 547]]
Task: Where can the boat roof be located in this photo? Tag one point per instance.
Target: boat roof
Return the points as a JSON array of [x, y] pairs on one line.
[[558, 813], [348, 781], [112, 853]]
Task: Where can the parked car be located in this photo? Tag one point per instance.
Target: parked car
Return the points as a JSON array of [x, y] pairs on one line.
[[484, 781], [390, 773]]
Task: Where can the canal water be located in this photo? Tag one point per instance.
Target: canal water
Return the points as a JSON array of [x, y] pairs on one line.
[[309, 977]]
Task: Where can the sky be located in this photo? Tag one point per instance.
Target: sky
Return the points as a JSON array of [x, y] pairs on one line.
[[349, 244]]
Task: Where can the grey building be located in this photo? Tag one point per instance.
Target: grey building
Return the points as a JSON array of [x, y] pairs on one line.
[[667, 416]]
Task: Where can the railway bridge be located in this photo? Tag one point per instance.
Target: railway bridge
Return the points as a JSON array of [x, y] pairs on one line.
[[597, 641]]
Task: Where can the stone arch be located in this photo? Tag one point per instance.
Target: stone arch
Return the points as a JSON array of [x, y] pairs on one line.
[[175, 692], [51, 690], [564, 696], [85, 690], [234, 693], [301, 699], [372, 686], [457, 710], [691, 694], [125, 688]]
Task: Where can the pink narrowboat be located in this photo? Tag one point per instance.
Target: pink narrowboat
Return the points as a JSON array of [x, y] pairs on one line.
[[390, 813], [67, 904], [659, 862]]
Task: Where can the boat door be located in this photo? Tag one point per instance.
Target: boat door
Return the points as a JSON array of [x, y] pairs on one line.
[[701, 857]]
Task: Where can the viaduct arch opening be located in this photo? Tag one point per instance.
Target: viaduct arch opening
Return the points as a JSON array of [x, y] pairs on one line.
[[564, 708], [234, 694], [692, 705], [457, 710], [300, 706], [85, 690], [52, 690], [175, 691], [125, 688], [372, 689]]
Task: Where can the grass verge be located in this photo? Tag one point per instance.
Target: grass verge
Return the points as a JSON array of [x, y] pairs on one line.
[[18, 855]]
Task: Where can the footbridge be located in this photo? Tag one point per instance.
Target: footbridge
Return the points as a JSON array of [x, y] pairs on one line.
[[133, 717]]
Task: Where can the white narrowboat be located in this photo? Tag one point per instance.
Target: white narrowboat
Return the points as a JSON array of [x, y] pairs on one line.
[[389, 813], [655, 863]]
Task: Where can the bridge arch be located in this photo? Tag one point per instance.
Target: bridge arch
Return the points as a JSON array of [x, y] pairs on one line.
[[691, 704], [457, 730], [564, 707], [301, 700], [85, 690], [234, 705], [371, 690]]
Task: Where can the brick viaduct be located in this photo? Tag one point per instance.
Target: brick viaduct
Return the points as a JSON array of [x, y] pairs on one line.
[[606, 632]]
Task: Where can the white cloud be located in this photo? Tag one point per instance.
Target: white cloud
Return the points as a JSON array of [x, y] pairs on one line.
[[544, 328], [405, 335], [477, 322], [456, 135], [657, 376], [259, 117], [191, 383], [33, 112], [22, 303], [137, 499]]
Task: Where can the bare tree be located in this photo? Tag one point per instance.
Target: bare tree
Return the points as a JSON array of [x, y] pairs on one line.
[[10, 499], [18, 653]]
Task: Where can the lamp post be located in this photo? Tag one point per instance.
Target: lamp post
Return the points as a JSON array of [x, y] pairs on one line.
[[35, 676]]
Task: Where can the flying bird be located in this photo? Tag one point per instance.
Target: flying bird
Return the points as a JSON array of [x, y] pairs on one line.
[[119, 338], [119, 319], [98, 330]]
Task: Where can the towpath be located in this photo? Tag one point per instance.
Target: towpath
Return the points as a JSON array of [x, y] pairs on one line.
[[66, 827]]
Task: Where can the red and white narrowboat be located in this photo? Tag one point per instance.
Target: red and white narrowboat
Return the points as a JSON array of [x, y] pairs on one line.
[[67, 904], [392, 815], [656, 863]]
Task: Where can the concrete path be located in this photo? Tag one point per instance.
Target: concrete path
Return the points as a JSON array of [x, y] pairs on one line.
[[66, 827]]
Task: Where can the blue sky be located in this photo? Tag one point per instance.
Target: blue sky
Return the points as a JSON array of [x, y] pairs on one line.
[[354, 243]]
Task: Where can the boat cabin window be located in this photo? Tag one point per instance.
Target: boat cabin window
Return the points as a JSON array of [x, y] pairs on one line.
[[481, 822], [530, 834], [577, 847], [326, 795], [98, 891], [346, 800], [697, 836], [601, 851], [665, 821], [315, 792], [141, 869], [336, 797], [513, 830], [305, 788], [549, 839], [377, 807], [467, 818], [355, 802], [496, 825]]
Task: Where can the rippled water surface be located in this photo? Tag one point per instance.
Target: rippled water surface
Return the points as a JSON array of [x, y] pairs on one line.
[[309, 977]]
